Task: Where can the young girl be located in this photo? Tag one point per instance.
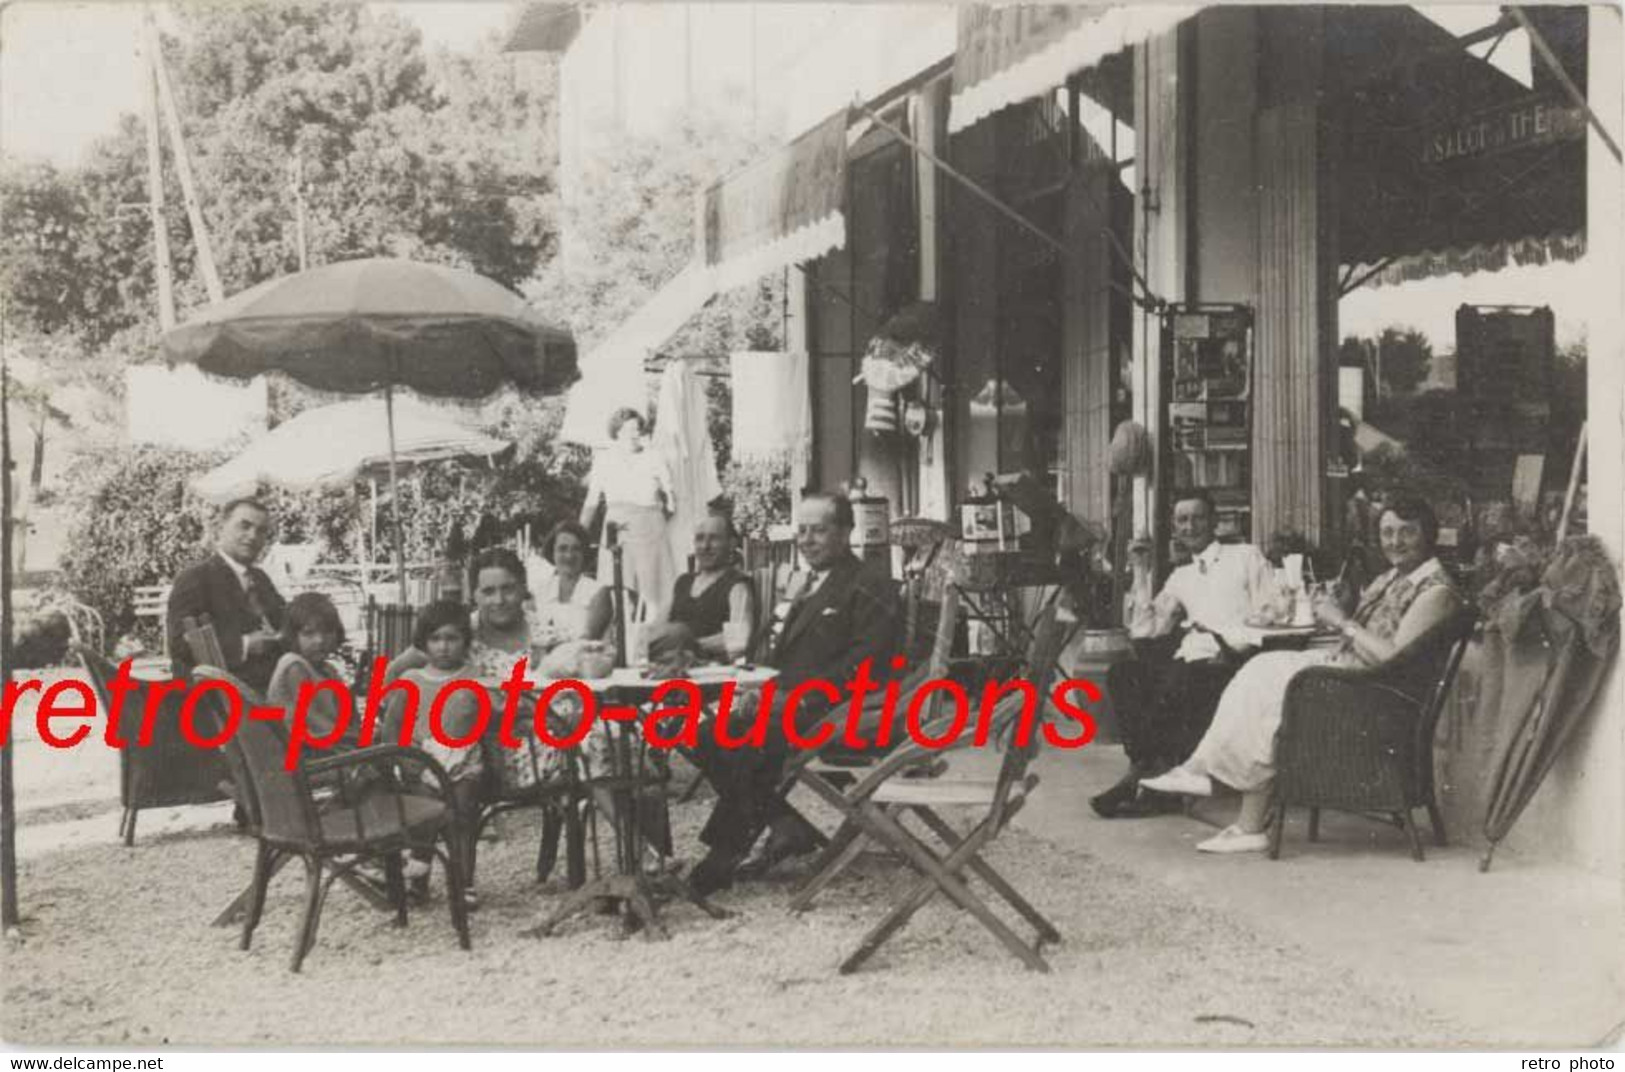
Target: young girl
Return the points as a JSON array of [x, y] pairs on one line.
[[443, 634], [311, 633]]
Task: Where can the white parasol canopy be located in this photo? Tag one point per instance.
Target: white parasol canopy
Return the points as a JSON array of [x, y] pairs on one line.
[[333, 445]]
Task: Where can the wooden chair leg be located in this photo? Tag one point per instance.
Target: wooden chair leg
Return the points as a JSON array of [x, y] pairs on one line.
[[236, 908], [455, 887], [1314, 824], [1436, 820], [936, 874], [547, 852], [985, 871], [1414, 834], [266, 863], [395, 884], [314, 890], [835, 858], [575, 845], [1277, 828], [926, 888]]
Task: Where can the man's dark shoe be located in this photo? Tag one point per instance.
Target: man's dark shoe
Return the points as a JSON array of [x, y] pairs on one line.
[[714, 872], [783, 843], [1110, 804], [1149, 802]]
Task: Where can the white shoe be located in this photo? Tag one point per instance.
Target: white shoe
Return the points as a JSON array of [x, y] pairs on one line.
[[1180, 782], [1233, 839]]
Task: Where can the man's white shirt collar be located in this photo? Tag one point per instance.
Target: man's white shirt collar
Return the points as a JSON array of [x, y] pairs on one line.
[[1209, 555], [236, 567]]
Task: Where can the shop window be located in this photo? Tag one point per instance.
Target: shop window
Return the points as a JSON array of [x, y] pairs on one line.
[[1023, 398]]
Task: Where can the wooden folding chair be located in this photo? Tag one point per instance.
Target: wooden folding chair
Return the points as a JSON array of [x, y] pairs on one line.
[[876, 806]]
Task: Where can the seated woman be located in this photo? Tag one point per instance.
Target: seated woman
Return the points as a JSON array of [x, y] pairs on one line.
[[502, 635], [1415, 595], [568, 604], [704, 601]]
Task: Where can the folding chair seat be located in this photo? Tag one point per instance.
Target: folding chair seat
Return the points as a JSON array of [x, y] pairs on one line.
[[876, 805]]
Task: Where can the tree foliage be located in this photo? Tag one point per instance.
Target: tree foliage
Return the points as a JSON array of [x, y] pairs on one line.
[[438, 157], [1403, 356], [631, 229]]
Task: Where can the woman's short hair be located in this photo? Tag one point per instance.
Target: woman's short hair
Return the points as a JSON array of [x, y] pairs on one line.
[[567, 527], [1410, 507], [310, 610], [727, 519], [436, 616], [621, 416], [502, 558]]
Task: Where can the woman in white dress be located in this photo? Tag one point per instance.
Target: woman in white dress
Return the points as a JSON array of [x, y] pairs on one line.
[[569, 605], [632, 485], [1238, 749]]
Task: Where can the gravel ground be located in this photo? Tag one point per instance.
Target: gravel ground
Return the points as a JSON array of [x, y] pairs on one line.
[[118, 951]]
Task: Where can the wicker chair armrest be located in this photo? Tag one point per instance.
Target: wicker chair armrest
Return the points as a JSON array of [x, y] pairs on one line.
[[381, 758], [1358, 687]]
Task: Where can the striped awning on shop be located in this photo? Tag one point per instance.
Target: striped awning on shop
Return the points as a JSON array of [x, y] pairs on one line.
[[784, 208], [1009, 54]]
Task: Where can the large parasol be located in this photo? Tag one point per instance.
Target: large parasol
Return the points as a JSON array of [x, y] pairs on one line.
[[332, 446], [380, 323]]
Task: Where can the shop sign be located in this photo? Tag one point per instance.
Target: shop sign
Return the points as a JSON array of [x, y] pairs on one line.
[[1528, 122], [792, 188]]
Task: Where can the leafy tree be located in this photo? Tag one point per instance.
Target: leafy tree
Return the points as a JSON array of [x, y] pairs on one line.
[[631, 232], [1404, 357], [445, 159]]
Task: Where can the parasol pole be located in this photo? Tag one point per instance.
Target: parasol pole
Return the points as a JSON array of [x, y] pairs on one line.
[[395, 489]]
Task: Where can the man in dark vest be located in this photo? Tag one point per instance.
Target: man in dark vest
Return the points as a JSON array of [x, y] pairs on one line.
[[239, 599], [704, 601]]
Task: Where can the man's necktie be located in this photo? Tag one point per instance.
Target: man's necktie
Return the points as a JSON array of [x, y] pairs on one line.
[[804, 591], [257, 603]]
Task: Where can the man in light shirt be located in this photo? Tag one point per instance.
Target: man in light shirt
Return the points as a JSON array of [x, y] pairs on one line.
[[1189, 640]]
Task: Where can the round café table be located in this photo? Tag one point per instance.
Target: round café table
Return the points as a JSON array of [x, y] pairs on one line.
[[623, 697]]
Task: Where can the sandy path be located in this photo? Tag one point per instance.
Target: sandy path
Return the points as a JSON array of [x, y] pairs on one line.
[[119, 951]]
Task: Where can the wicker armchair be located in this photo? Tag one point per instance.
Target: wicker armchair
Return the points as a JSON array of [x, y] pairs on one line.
[[167, 770], [337, 812], [1361, 740]]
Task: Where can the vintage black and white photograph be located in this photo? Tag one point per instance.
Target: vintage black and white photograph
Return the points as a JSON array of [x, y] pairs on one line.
[[756, 525]]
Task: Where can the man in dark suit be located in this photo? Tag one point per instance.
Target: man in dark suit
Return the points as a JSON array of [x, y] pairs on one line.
[[241, 602], [842, 614]]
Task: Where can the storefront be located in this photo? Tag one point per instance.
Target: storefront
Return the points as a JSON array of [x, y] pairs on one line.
[[1096, 215]]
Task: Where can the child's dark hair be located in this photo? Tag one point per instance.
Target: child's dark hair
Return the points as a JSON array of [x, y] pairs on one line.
[[436, 616], [310, 610]]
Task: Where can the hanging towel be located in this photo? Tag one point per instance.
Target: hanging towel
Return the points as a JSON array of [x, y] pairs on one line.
[[682, 438], [771, 408]]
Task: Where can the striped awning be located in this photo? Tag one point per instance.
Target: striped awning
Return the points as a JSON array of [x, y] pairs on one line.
[[786, 207], [1009, 54], [1481, 257]]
